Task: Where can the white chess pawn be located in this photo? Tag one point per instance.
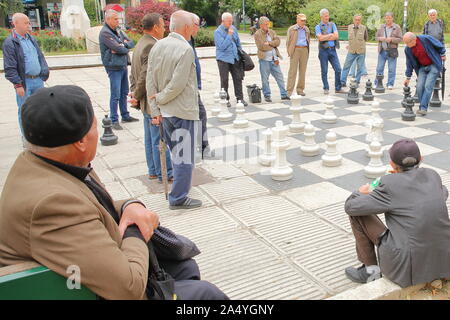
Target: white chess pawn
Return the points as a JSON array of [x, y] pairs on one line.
[[375, 168], [240, 121], [310, 148], [224, 114], [329, 116], [216, 109], [331, 158], [268, 157], [296, 125], [280, 171]]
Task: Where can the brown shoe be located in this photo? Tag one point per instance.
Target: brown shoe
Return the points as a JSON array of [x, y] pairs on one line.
[[152, 177], [340, 91], [301, 94]]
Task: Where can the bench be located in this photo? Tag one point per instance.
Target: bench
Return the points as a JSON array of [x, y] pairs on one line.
[[32, 281]]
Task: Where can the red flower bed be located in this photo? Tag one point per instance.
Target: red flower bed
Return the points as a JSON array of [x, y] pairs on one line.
[[134, 15]]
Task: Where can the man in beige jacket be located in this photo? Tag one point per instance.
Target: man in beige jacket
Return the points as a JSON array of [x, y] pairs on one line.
[[269, 57], [297, 43]]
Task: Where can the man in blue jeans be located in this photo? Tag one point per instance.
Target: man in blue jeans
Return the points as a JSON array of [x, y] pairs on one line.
[[114, 49], [425, 55], [24, 64], [269, 57], [328, 36]]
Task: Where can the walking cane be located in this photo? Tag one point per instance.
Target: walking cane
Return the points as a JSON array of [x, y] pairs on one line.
[[162, 157]]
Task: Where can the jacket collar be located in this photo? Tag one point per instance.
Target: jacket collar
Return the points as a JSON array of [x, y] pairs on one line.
[[177, 36], [78, 172]]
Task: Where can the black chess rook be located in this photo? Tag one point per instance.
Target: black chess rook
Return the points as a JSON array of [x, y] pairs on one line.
[[379, 88], [435, 102]]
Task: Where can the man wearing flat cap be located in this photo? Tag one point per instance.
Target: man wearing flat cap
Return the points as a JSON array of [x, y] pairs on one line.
[[54, 209], [414, 247]]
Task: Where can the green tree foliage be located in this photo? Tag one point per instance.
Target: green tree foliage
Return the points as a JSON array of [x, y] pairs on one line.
[[10, 6]]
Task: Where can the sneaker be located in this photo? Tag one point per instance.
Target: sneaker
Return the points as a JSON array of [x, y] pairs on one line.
[[116, 126], [363, 274], [189, 203], [267, 99], [340, 91], [169, 180], [301, 94], [208, 153], [130, 119], [326, 91], [228, 104], [285, 98], [422, 112], [152, 176], [244, 103], [390, 88], [343, 85]]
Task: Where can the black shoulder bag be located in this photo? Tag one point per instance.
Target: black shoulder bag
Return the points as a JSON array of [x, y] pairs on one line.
[[392, 52]]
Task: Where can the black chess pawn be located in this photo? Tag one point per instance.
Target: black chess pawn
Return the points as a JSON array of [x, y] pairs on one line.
[[406, 95], [408, 114], [353, 95], [108, 138], [416, 94], [368, 95], [379, 88], [435, 102]]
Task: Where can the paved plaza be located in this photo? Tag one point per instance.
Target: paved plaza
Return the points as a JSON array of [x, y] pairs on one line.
[[260, 239]]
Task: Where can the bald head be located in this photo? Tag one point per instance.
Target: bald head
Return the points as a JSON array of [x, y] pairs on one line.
[[409, 39], [21, 23], [182, 23]]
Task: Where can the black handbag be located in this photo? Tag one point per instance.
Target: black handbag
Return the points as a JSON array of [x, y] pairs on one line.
[[392, 52], [160, 285], [246, 60], [171, 246]]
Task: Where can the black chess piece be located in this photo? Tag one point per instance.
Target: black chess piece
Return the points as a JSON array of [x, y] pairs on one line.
[[379, 88], [353, 95], [435, 102], [408, 114], [108, 138], [416, 94], [368, 95], [406, 95]]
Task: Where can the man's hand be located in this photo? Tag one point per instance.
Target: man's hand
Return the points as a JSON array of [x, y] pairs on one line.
[[157, 120], [443, 58], [134, 102], [131, 94], [388, 40], [20, 91], [382, 39], [146, 220], [230, 31], [112, 51], [152, 97], [364, 189], [406, 83], [266, 43]]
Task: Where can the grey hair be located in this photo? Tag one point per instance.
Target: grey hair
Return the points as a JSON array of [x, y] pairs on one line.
[[179, 19], [263, 19], [17, 16], [389, 13], [324, 11], [109, 13], [226, 15], [357, 15], [409, 163], [195, 18], [432, 11]]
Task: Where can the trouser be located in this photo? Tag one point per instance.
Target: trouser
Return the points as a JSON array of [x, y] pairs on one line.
[[181, 139], [188, 285], [353, 70], [392, 67], [236, 74], [151, 140], [118, 84], [350, 60], [31, 86], [325, 56], [297, 63], [368, 231], [266, 69], [425, 84], [203, 119]]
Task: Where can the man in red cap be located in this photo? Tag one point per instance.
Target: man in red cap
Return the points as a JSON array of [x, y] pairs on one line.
[[414, 247]]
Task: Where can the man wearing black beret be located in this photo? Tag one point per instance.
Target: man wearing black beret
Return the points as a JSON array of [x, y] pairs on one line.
[[54, 209], [414, 247]]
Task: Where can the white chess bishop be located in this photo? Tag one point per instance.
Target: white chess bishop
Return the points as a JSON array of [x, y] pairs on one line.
[[280, 170], [331, 158], [296, 125], [310, 148]]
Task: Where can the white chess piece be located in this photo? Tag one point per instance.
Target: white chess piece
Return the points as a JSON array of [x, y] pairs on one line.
[[280, 171], [375, 168], [224, 114], [331, 158], [268, 157], [310, 148], [296, 125], [240, 121], [329, 116], [375, 109], [216, 109]]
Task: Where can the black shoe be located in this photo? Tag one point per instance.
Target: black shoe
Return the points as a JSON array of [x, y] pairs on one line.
[[267, 99], [189, 203], [343, 85], [228, 104], [207, 153], [360, 275], [285, 98], [244, 103], [129, 119], [116, 126]]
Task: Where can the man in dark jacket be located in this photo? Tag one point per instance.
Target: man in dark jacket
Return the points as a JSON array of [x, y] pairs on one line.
[[415, 246], [425, 55], [24, 64], [114, 48], [434, 27]]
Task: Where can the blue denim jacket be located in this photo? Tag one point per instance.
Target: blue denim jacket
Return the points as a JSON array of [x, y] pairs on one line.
[[114, 41], [226, 46], [434, 48]]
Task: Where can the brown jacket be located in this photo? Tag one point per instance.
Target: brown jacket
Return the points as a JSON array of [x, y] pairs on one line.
[[138, 73], [260, 39], [49, 216], [396, 36], [292, 35]]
